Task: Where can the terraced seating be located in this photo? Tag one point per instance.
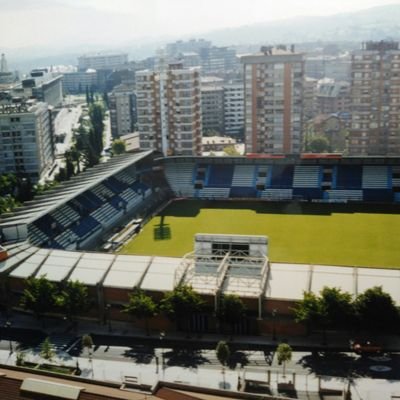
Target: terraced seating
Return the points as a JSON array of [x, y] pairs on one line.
[[180, 178], [66, 238], [243, 176], [213, 192], [306, 176], [124, 177], [86, 227], [277, 194], [375, 177], [102, 192], [105, 213], [65, 215], [345, 195]]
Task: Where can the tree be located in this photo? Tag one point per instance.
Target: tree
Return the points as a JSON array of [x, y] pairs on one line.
[[73, 299], [377, 311], [118, 146], [141, 306], [223, 353], [284, 354], [231, 151], [46, 349], [39, 296], [87, 343], [232, 310], [318, 144], [309, 311], [180, 304], [95, 135], [338, 308], [69, 164]]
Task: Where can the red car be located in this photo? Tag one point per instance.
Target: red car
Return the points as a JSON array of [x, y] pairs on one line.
[[366, 347]]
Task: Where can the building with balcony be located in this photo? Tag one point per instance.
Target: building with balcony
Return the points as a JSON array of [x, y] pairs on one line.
[[122, 105], [375, 99], [234, 109], [212, 109], [273, 98], [26, 144], [169, 110]]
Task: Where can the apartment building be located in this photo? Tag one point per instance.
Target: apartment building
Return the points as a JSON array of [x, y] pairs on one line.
[[212, 108], [122, 105], [273, 87], [26, 144], [102, 61], [375, 99], [169, 110], [78, 82], [43, 85], [332, 97], [234, 109]]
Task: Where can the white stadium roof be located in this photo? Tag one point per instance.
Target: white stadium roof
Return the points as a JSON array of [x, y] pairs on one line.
[[283, 280], [67, 190]]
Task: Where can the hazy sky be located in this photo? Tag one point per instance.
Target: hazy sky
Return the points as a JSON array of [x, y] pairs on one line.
[[66, 22]]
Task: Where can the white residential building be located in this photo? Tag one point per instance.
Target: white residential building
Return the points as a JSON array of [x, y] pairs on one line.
[[169, 110], [26, 144]]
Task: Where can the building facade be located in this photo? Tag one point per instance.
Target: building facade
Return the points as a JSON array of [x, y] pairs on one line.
[[102, 61], [78, 82], [26, 144], [234, 109], [212, 109], [332, 97], [122, 105], [273, 88], [169, 110], [375, 99], [42, 85]]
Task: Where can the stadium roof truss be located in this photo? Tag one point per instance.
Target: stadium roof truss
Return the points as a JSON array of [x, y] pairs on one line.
[[234, 272], [67, 190]]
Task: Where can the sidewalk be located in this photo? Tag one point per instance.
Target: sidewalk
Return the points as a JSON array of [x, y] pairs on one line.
[[210, 376], [340, 342]]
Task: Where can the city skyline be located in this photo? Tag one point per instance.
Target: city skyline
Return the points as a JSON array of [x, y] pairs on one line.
[[71, 22]]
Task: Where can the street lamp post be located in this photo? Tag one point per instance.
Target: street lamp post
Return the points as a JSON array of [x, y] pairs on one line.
[[8, 327], [274, 313], [108, 308], [162, 335]]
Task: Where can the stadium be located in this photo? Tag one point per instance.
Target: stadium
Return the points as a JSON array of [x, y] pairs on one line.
[[264, 228]]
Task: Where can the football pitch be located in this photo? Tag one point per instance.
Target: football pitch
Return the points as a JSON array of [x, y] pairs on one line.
[[335, 234]]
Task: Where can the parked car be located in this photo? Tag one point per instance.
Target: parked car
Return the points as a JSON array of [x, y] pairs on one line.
[[366, 347]]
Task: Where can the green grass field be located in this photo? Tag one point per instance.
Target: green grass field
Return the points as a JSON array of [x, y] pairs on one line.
[[336, 234]]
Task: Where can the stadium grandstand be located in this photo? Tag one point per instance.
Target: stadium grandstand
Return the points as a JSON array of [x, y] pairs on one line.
[[329, 178], [44, 235]]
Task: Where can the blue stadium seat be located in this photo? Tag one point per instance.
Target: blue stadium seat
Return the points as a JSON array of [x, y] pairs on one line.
[[85, 227], [282, 176], [237, 192], [349, 177], [378, 195], [220, 175], [308, 193]]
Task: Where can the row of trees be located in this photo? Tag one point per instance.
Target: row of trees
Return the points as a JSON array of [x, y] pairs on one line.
[[71, 299], [374, 311], [42, 296], [180, 304]]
